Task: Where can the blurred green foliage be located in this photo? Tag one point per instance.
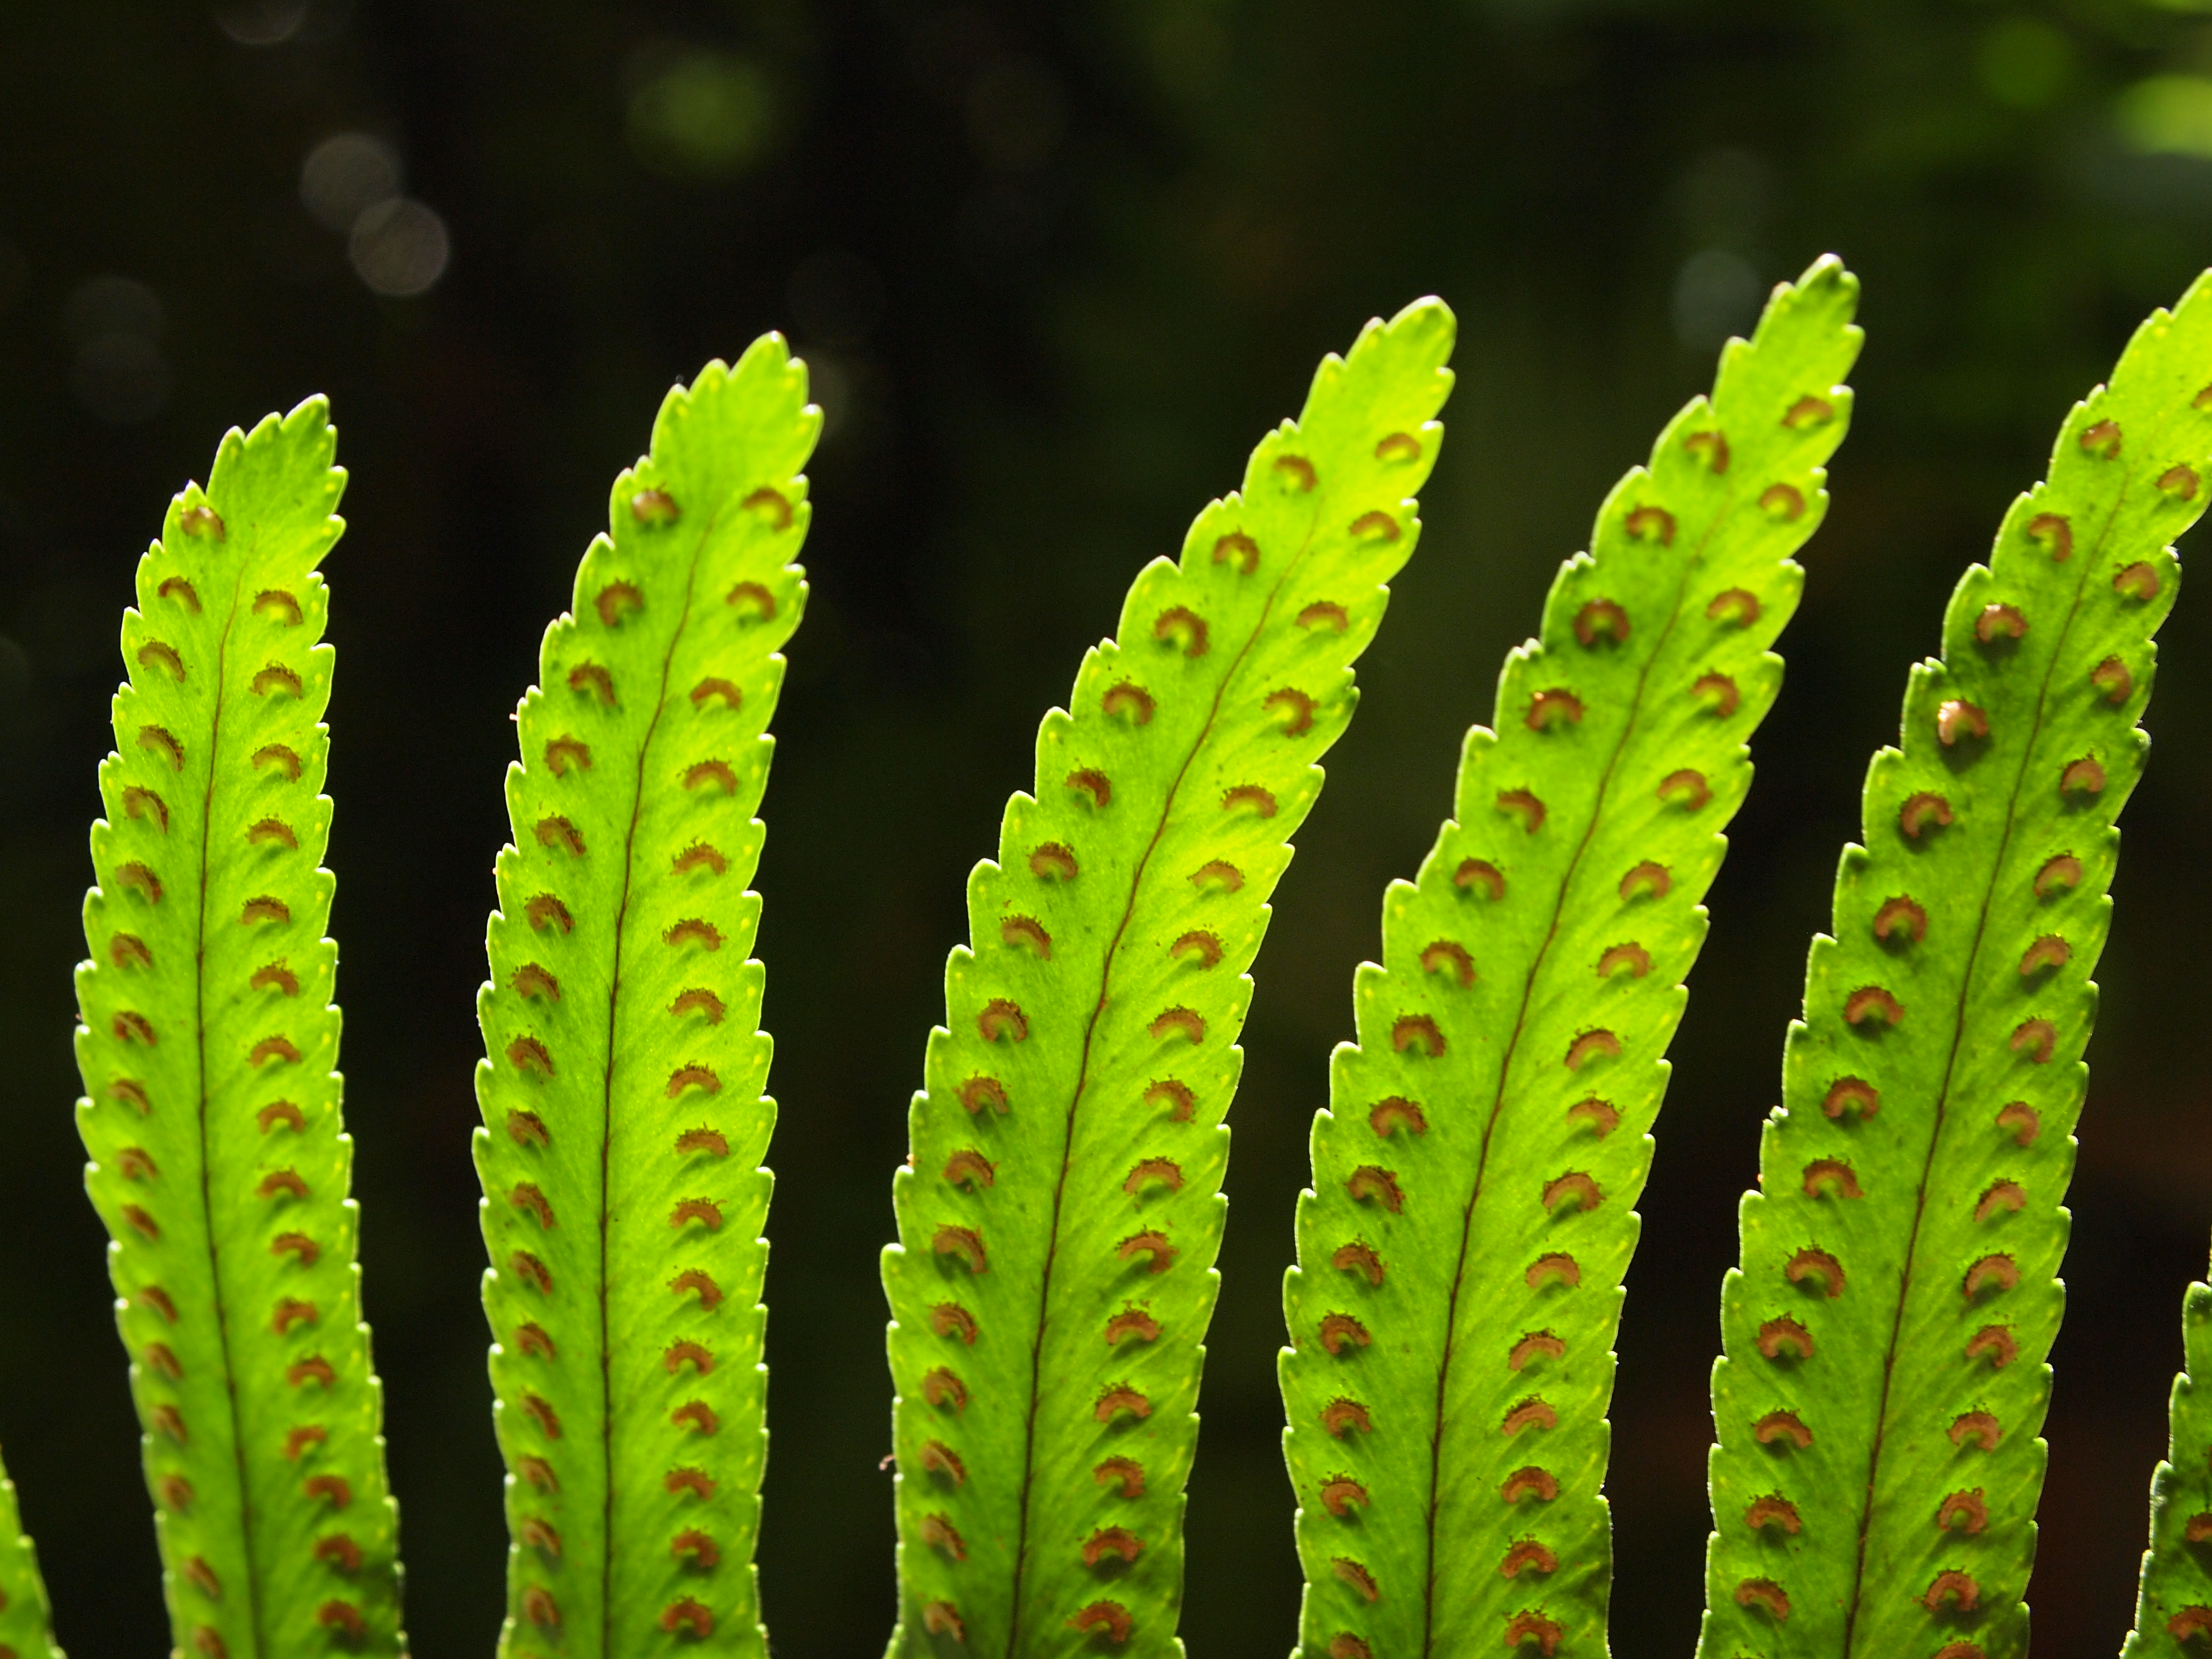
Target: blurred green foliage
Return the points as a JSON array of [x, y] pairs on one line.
[[1051, 264], [706, 115]]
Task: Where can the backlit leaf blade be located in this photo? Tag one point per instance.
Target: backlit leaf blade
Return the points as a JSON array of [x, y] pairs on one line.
[[1884, 1388], [2173, 1611], [1461, 1250], [1061, 1211], [220, 1162], [624, 1116], [25, 1630]]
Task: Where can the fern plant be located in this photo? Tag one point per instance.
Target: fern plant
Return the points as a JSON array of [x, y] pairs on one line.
[[623, 1087], [1461, 1248], [1462, 1251], [1883, 1386], [208, 1047], [1060, 1210]]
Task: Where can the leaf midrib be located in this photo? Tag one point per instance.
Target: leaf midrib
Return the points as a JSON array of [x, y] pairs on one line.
[[247, 1539], [1951, 1058], [1083, 1070], [607, 1549], [1691, 561]]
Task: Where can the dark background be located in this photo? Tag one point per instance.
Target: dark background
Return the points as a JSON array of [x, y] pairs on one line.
[[1056, 266]]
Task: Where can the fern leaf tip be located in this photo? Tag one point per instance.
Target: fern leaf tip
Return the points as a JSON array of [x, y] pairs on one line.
[[656, 692], [1965, 865], [312, 410], [1688, 579], [236, 566], [1425, 332], [1827, 272], [1430, 315], [1230, 662]]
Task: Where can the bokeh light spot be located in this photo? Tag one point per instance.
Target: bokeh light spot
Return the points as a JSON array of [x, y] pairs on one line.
[[2024, 63], [1716, 294], [398, 247], [345, 175], [118, 374], [261, 22], [120, 378], [698, 113], [113, 305], [1724, 197], [2167, 115]]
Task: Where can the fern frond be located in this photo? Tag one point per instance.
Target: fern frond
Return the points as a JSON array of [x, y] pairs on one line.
[[2173, 1611], [624, 1118], [1884, 1388], [26, 1625], [1460, 1251], [220, 1160], [1060, 1210]]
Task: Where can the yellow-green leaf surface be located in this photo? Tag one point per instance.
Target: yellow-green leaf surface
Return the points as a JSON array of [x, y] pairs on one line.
[[1881, 1401], [26, 1631], [220, 1162], [1460, 1251], [624, 1117], [2173, 1612], [1060, 1211]]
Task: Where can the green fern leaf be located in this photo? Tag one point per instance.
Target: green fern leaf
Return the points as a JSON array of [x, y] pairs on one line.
[[624, 1117], [220, 1162], [1884, 1388], [26, 1627], [1461, 1249], [1060, 1211], [2173, 1611]]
